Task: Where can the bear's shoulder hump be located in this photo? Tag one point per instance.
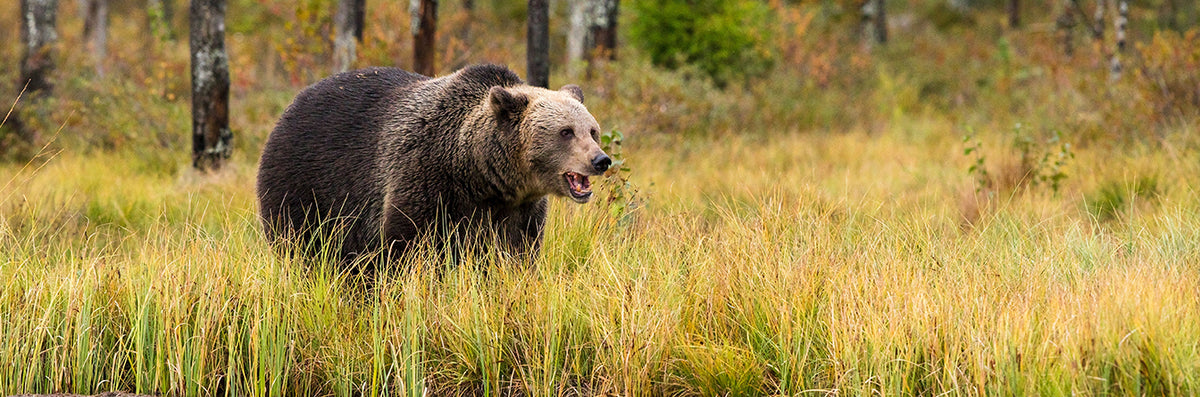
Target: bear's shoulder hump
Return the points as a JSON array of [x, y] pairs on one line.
[[490, 75]]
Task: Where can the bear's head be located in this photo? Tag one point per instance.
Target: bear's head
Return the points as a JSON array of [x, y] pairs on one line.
[[560, 137]]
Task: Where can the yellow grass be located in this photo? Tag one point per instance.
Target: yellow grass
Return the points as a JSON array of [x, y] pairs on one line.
[[786, 265]]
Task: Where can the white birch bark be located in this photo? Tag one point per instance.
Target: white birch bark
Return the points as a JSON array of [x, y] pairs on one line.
[[1119, 26], [343, 36]]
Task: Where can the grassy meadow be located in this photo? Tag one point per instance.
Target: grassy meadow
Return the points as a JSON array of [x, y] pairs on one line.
[[925, 218]]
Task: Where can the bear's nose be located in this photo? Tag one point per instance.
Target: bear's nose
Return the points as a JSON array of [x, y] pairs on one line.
[[601, 162]]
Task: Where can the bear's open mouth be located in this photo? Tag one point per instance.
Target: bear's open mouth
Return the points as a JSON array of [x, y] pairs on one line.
[[578, 185]]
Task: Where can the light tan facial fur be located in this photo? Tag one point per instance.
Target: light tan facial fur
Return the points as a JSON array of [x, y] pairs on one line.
[[562, 137]]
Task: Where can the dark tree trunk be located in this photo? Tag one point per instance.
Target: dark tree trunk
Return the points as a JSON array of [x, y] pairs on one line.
[[360, 16], [344, 20], [881, 35], [537, 56], [1014, 13], [424, 36], [95, 30], [38, 36], [211, 137], [1065, 24]]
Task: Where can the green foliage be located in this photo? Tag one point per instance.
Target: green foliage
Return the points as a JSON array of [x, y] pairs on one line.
[[160, 27], [978, 168], [622, 198], [724, 39]]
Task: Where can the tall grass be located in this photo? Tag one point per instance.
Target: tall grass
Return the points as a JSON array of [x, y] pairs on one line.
[[789, 267]]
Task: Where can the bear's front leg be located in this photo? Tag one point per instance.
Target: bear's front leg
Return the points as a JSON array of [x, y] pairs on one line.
[[523, 229]]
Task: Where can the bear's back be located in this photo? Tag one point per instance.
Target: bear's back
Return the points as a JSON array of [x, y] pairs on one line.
[[320, 158]]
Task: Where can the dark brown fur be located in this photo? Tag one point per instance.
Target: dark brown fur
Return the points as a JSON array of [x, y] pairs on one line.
[[386, 156]]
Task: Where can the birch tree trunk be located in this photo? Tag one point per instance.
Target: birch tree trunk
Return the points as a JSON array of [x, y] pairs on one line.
[[874, 20], [593, 32], [424, 30], [211, 137], [577, 36], [95, 31], [345, 27], [537, 56], [1119, 26], [38, 35]]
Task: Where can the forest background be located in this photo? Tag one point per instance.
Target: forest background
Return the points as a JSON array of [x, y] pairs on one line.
[[816, 197]]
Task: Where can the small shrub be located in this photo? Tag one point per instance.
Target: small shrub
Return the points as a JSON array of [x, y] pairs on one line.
[[723, 39], [1113, 197], [622, 198], [1042, 163], [977, 170], [1039, 162]]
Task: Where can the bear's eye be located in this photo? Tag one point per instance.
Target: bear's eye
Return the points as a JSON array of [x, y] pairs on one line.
[[567, 132]]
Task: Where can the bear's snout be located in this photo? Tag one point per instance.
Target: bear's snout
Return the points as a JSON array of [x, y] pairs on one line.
[[601, 162]]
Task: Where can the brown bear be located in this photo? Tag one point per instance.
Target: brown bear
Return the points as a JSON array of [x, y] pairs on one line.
[[380, 157]]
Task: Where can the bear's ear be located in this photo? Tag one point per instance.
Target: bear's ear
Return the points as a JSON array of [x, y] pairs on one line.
[[505, 102], [574, 91]]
